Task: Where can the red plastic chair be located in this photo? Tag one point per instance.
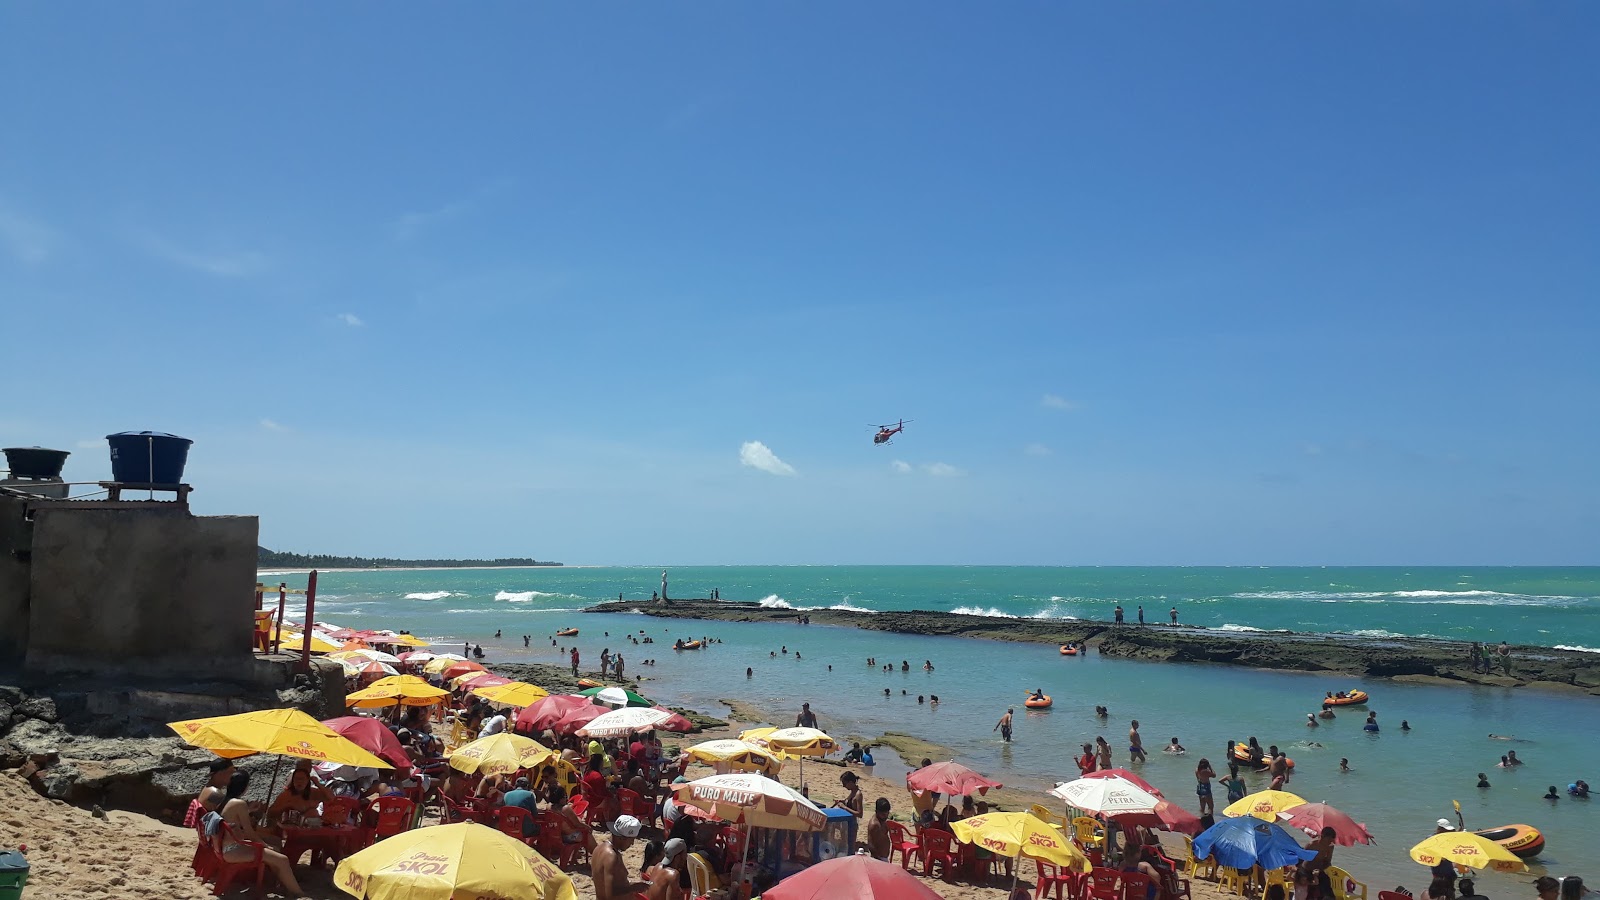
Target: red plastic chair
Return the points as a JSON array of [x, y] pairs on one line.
[[973, 864], [394, 815], [202, 862], [899, 841], [632, 804], [1050, 877], [510, 820], [339, 811], [549, 843], [1103, 884], [938, 848], [225, 871], [1135, 886], [590, 812], [453, 812]]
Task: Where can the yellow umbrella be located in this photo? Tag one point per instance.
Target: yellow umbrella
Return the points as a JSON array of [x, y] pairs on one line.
[[408, 690], [1016, 834], [738, 756], [1467, 849], [1264, 805], [292, 640], [403, 640], [284, 732], [500, 753], [441, 662], [801, 742], [444, 862], [517, 693]]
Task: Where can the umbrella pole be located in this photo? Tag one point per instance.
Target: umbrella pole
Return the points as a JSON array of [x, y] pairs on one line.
[[272, 785], [744, 863]]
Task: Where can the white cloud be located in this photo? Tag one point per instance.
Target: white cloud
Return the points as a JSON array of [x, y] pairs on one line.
[[27, 240], [223, 264], [1056, 401], [350, 319], [270, 425], [942, 470], [757, 455], [1036, 449], [900, 466]]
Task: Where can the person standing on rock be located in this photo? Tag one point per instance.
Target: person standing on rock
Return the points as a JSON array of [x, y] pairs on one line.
[[1117, 615], [1174, 615], [1505, 657], [1141, 615]]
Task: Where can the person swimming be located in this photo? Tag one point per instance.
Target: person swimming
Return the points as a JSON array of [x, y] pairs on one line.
[[1551, 794], [1174, 747], [1344, 764], [1311, 721]]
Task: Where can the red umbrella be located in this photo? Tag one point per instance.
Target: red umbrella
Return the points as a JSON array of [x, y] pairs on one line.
[[483, 680], [851, 878], [1313, 817], [949, 778], [1127, 776], [677, 721], [1167, 816], [371, 734], [545, 713], [460, 668], [577, 717]]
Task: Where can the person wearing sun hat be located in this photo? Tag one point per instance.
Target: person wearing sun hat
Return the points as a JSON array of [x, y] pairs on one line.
[[605, 862]]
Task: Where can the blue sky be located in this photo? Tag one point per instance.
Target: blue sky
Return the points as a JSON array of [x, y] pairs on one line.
[[1264, 283]]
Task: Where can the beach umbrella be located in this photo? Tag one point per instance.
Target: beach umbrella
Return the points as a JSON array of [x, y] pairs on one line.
[[407, 690], [615, 696], [1313, 817], [443, 862], [373, 655], [515, 693], [1125, 775], [1106, 795], [416, 657], [477, 679], [500, 753], [628, 720], [442, 661], [290, 640], [577, 717], [801, 742], [949, 778], [1167, 816], [460, 667], [372, 667], [372, 735], [1246, 841], [675, 721], [736, 755], [283, 732], [403, 640], [545, 713], [851, 878], [356, 643], [1264, 805], [1016, 834], [1463, 848], [752, 799]]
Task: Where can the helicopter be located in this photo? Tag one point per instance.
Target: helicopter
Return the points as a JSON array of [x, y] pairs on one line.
[[885, 432]]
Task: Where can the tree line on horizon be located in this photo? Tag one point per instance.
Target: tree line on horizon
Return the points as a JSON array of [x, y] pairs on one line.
[[265, 557]]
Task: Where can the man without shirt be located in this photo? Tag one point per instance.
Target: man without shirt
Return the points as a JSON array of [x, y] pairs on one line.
[[666, 876], [1135, 743], [878, 842], [606, 867]]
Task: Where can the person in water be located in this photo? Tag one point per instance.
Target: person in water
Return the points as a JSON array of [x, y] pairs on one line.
[[1311, 721], [1327, 713], [1038, 694], [1483, 780], [1344, 764], [1551, 794], [1174, 747], [1004, 726], [1511, 759], [1135, 744], [1203, 774], [1405, 725]]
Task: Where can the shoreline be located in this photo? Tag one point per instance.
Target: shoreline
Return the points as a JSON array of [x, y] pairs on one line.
[[1423, 660]]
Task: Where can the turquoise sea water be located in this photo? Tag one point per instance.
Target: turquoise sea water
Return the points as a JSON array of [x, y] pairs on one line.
[[1400, 781]]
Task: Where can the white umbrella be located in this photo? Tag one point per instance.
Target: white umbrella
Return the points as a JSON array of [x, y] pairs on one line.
[[754, 800], [628, 720], [613, 696], [1106, 795], [373, 655]]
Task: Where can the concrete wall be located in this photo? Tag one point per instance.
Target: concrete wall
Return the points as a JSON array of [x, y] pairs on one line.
[[16, 540], [141, 591]]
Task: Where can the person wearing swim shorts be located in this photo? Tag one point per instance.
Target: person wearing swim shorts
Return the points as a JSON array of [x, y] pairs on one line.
[[1004, 726], [1135, 744]]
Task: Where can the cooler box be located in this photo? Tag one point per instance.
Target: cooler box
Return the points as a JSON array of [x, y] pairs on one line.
[[13, 874], [148, 457]]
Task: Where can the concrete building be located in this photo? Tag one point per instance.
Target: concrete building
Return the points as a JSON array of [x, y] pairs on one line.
[[127, 589]]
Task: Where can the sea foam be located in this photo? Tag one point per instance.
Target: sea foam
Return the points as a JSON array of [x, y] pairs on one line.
[[529, 596], [432, 595], [992, 612]]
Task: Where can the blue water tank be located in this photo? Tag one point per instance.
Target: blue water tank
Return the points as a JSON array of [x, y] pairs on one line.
[[148, 457]]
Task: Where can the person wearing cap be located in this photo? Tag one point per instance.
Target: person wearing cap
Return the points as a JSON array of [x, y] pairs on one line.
[[212, 794], [1442, 826], [806, 718], [606, 866], [521, 796], [667, 875], [879, 843]]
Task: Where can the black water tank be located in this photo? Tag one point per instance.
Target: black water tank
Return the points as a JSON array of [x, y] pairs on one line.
[[152, 457], [35, 462]]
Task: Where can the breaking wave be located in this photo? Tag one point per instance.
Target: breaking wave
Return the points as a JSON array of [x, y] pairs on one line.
[[1453, 598], [1578, 648], [528, 596], [992, 612], [433, 595], [847, 606], [1376, 633], [1232, 627], [773, 601]]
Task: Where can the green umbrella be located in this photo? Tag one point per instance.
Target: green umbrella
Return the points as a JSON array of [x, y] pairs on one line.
[[616, 696]]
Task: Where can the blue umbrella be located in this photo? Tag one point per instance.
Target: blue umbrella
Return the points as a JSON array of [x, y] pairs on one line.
[[1247, 841]]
